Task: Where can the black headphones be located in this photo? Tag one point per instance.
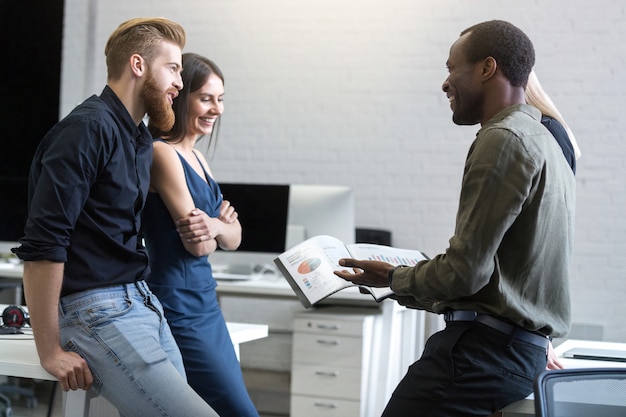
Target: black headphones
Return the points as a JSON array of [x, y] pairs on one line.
[[15, 316]]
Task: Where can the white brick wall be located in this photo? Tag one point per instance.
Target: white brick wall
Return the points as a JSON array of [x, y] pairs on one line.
[[339, 91]]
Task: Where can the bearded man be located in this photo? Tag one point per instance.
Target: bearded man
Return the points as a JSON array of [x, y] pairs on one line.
[[97, 325]]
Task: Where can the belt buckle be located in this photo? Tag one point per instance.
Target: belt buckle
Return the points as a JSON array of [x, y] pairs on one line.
[[449, 315], [459, 315]]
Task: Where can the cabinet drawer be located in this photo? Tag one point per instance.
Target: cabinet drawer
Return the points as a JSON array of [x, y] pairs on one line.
[[302, 406], [342, 351], [325, 381], [329, 326]]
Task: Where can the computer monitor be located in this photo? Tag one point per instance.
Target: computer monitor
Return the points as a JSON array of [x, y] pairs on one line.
[[320, 210], [274, 217], [263, 211]]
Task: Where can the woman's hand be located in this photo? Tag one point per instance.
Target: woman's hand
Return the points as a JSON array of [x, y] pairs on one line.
[[198, 232], [196, 227], [227, 213], [202, 234]]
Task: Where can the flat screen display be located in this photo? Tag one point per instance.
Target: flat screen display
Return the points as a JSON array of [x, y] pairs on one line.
[[262, 210], [275, 217]]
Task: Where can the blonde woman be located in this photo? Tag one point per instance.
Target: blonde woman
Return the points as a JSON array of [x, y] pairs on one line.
[[552, 119]]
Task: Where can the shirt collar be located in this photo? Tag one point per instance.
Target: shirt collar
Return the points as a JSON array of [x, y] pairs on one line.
[[524, 108], [138, 132]]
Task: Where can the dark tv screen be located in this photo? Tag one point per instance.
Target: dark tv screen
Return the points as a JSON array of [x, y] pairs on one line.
[[262, 210], [30, 40]]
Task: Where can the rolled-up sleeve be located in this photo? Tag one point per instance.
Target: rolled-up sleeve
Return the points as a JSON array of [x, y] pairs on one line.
[[62, 172]]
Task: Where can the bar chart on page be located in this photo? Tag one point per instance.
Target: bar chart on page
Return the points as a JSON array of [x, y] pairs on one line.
[[389, 254]]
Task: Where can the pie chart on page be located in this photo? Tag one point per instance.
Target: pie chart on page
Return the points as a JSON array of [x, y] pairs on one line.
[[309, 265]]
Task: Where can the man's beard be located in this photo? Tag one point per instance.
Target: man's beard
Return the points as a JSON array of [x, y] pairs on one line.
[[158, 107]]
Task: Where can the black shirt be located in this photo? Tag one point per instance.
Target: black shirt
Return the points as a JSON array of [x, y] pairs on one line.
[[562, 138], [88, 184]]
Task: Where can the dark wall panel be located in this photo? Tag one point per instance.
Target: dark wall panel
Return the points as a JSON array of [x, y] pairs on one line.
[[30, 41]]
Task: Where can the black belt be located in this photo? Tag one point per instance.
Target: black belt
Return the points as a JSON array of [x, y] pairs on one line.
[[505, 328]]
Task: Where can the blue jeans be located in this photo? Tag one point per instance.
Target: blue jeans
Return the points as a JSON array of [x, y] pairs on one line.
[[122, 334]]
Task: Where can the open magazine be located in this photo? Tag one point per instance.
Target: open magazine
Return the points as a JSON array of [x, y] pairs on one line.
[[309, 266]]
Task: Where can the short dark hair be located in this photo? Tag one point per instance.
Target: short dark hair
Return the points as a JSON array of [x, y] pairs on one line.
[[507, 44], [196, 70]]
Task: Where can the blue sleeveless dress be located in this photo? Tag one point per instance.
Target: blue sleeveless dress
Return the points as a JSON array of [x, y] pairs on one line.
[[185, 286]]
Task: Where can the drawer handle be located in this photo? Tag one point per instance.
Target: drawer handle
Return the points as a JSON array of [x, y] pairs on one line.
[[325, 405], [327, 342], [327, 373], [328, 326]]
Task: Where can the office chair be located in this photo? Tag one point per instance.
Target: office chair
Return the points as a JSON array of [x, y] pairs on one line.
[[581, 392]]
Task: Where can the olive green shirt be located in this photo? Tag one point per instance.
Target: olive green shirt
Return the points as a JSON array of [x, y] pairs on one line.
[[511, 248]]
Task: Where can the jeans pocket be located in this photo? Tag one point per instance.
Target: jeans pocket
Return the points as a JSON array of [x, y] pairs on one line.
[[96, 387], [103, 310]]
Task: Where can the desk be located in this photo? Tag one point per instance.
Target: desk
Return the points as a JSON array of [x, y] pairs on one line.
[[18, 357], [268, 286], [526, 407], [276, 286]]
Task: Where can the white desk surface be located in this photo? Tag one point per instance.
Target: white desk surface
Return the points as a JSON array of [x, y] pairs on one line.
[[18, 354], [526, 407], [18, 357], [272, 285], [269, 285]]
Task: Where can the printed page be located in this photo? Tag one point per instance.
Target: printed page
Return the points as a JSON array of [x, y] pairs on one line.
[[311, 264], [394, 256], [391, 255]]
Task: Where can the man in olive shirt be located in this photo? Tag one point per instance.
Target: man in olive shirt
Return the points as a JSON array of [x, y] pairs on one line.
[[502, 284]]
